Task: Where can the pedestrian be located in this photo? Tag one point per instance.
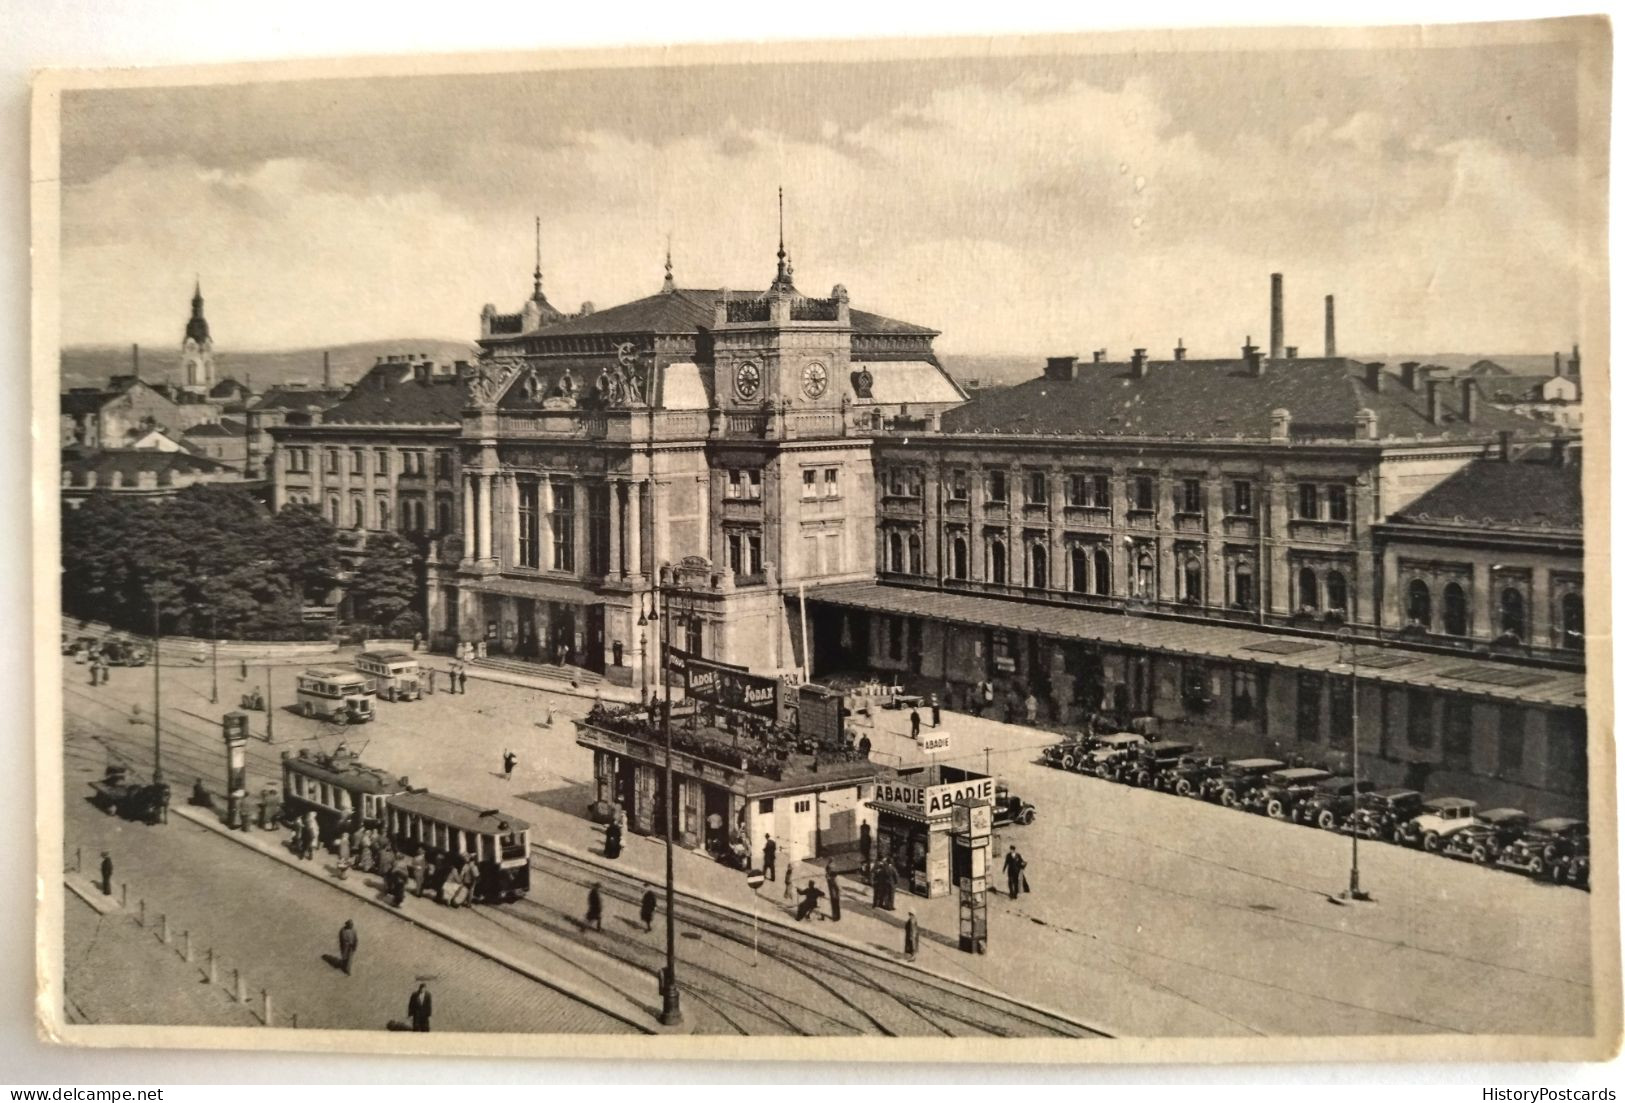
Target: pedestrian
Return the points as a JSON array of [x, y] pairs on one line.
[[865, 842], [509, 759], [809, 901], [344, 847], [470, 878], [397, 886], [646, 910], [547, 721], [612, 840], [419, 1008], [936, 712], [1032, 707], [347, 945], [1014, 865], [1010, 708], [462, 680], [789, 878], [914, 725], [864, 745], [420, 874], [595, 908], [770, 859], [911, 936], [428, 681], [417, 641], [834, 893], [242, 670], [107, 874]]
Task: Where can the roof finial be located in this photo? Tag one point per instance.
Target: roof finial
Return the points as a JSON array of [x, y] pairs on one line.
[[536, 276], [670, 284], [783, 281]]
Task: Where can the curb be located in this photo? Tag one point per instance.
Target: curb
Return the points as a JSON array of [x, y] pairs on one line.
[[842, 940], [101, 905], [604, 691], [490, 953]]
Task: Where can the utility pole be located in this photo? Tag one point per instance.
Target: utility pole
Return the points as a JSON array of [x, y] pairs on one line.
[[214, 662], [1354, 892], [157, 700], [270, 709], [671, 1010]]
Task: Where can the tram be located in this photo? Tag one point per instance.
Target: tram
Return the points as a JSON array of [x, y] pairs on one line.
[[344, 794], [450, 832]]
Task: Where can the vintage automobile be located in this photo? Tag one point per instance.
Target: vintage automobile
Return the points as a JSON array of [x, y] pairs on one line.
[[1381, 813], [1332, 802], [1009, 809], [1482, 842], [1193, 773], [1066, 754], [1283, 789], [1107, 751], [1239, 778], [1550, 848], [124, 653], [1153, 765], [118, 794], [1437, 820]]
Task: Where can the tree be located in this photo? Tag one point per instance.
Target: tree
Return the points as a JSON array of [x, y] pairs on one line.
[[385, 584], [305, 547]]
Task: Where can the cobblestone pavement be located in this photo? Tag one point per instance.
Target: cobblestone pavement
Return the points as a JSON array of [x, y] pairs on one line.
[[1153, 915]]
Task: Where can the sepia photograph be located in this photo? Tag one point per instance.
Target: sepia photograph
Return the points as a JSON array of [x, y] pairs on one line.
[[1076, 548]]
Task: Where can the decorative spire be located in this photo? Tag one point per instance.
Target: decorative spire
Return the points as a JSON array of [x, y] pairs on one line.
[[536, 276], [197, 327], [783, 282], [670, 284]]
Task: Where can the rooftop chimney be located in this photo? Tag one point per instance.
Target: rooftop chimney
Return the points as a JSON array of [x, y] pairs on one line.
[[1292, 352], [327, 369], [1277, 321], [1255, 362], [1061, 367], [1137, 365], [1331, 328], [1100, 355], [1365, 424], [1574, 361], [1557, 363], [1407, 374], [135, 362], [1280, 425], [1179, 350], [1436, 401], [1469, 400], [1374, 374]]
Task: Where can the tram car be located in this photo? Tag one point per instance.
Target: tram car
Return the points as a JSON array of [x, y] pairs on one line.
[[449, 832], [343, 793]]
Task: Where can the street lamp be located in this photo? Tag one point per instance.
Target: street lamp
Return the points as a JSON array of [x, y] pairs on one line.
[[1346, 636], [214, 662], [671, 1010]]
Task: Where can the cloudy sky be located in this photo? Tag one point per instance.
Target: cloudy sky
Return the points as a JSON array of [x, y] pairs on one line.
[[1030, 205]]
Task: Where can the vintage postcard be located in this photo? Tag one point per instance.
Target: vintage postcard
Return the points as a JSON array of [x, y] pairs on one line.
[[1085, 548]]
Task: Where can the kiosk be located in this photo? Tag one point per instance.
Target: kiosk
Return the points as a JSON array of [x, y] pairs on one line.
[[915, 820]]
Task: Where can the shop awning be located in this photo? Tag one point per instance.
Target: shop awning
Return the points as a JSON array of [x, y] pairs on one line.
[[1385, 664], [913, 815]]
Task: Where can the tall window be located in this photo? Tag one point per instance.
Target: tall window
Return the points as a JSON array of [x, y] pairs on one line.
[[1455, 610], [442, 515], [1337, 503], [1077, 490], [600, 501], [753, 553], [1037, 488], [895, 551], [358, 512], [383, 512], [832, 482], [1103, 572], [299, 460], [744, 485], [1190, 496], [995, 561], [530, 532], [442, 464], [1144, 492], [961, 558], [1309, 501], [1342, 714], [1512, 622], [331, 461], [1145, 575], [1040, 567], [809, 482], [1337, 592], [958, 484], [1573, 613], [358, 460], [916, 563], [1080, 570], [333, 510], [1309, 693], [380, 461], [997, 488], [1241, 498], [1244, 694], [562, 520], [1419, 604], [1308, 589], [1192, 579], [1244, 585]]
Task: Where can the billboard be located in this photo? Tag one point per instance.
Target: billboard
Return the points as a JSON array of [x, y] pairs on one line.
[[728, 686]]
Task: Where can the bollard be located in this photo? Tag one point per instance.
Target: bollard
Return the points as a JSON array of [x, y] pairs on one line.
[[186, 947], [78, 859], [124, 895], [211, 967], [238, 988], [294, 1023], [265, 1000], [142, 918], [163, 929]]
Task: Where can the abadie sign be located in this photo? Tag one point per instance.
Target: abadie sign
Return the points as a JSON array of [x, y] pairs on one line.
[[933, 800], [731, 688]]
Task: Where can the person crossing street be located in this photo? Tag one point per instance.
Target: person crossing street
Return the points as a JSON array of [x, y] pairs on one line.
[[347, 945], [1015, 872]]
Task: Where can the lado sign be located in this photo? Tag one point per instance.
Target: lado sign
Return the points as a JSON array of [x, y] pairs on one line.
[[733, 689]]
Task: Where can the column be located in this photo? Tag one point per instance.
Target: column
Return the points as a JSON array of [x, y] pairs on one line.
[[544, 526], [1486, 602], [487, 484], [580, 515], [634, 530], [931, 526], [1215, 584], [513, 516], [469, 533], [973, 538], [1543, 618], [1167, 563], [615, 567], [1059, 560]]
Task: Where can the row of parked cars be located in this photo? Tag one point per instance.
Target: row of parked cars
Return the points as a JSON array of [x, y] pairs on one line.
[[1556, 849]]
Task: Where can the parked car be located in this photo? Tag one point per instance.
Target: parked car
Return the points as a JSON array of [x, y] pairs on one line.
[[1102, 759], [1438, 819], [1152, 766], [1332, 802], [1066, 754], [1194, 772], [1283, 789], [1550, 849], [1238, 779], [1008, 809], [122, 653], [1483, 841], [1381, 813]]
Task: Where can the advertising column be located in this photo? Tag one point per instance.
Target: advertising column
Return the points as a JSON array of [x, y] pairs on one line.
[[973, 837], [234, 727]]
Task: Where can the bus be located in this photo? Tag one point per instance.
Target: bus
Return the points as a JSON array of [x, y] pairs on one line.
[[396, 674], [341, 695], [449, 832]]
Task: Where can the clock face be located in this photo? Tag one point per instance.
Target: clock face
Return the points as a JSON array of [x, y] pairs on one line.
[[747, 380], [814, 380]]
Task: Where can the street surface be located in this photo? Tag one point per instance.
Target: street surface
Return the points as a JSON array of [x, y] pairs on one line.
[[1152, 915]]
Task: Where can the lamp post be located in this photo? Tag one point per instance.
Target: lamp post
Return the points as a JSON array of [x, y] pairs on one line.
[[157, 700], [214, 662], [1346, 637], [671, 1010]]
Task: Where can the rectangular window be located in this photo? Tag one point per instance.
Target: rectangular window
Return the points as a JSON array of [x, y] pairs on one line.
[[803, 806], [753, 486], [358, 460], [1309, 501], [598, 514], [1309, 692], [1144, 492], [563, 522], [1077, 490], [412, 463], [380, 458], [765, 806], [958, 485], [1244, 700], [736, 553], [832, 482], [1337, 503], [997, 490], [1566, 756], [1419, 719], [1458, 733], [1190, 492], [1037, 488], [833, 563], [529, 523], [809, 482], [1102, 487], [332, 461], [896, 628], [1509, 742], [1242, 498], [442, 465], [299, 459]]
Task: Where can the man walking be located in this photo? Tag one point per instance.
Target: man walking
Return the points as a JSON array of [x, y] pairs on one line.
[[770, 859], [809, 901], [865, 843], [911, 937], [419, 1008], [462, 680], [936, 712], [1014, 865], [595, 909], [242, 670], [1032, 707], [420, 873], [428, 681], [646, 910], [834, 893], [347, 945], [509, 759], [107, 874], [914, 725]]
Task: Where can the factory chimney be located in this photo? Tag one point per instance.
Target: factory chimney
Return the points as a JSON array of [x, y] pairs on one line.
[[327, 369], [1331, 328], [135, 362], [1277, 321]]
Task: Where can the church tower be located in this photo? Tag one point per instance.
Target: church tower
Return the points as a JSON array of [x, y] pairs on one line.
[[197, 351]]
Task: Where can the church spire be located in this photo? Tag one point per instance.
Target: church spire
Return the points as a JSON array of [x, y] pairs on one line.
[[536, 276], [783, 281], [670, 284]]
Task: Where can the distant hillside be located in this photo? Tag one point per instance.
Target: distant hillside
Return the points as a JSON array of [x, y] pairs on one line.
[[989, 368], [90, 365]]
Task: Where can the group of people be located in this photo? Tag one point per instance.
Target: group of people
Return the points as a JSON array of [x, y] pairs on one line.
[[419, 1005], [981, 697], [99, 668], [595, 908]]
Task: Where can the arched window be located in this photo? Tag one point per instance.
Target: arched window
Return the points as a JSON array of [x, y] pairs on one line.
[[1244, 585], [1512, 623], [1103, 572], [383, 514], [1193, 579], [895, 543], [1145, 575], [961, 557], [1337, 592], [358, 512], [333, 510], [1039, 560], [995, 561], [1080, 570], [1455, 610], [1419, 604], [1308, 589], [1574, 622], [915, 564], [443, 515]]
